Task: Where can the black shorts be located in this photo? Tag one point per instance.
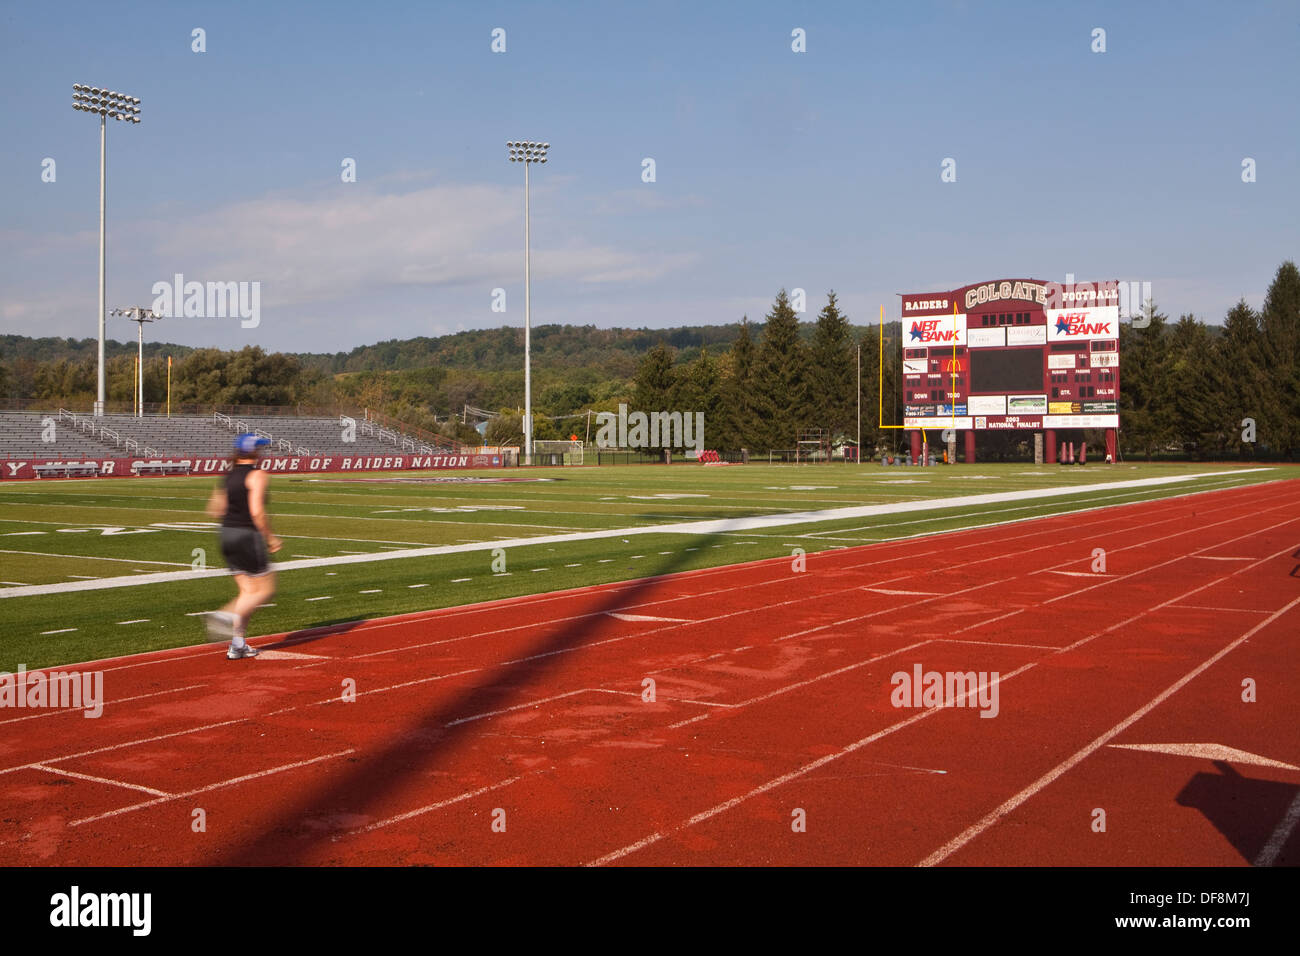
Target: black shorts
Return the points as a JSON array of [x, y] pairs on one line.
[[245, 551]]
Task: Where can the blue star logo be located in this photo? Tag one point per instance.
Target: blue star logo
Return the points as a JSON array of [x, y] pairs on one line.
[[1062, 326], [916, 331]]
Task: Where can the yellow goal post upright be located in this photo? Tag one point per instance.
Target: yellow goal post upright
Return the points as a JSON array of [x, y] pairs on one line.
[[880, 378]]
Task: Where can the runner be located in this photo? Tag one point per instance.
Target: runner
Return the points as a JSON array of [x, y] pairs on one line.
[[240, 502]]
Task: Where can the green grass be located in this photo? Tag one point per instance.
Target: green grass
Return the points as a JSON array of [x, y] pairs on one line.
[[157, 525]]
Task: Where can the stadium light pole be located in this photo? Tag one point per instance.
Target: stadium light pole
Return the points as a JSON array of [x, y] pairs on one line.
[[527, 153], [120, 106], [140, 317]]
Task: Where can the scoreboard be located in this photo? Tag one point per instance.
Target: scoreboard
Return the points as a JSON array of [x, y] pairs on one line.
[[1012, 354]]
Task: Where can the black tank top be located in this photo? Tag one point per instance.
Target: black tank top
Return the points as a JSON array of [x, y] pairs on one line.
[[237, 513]]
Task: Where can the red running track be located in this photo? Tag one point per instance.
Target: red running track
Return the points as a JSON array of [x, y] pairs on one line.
[[520, 731]]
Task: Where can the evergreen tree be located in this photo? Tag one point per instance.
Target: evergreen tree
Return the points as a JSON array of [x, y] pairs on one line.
[[780, 386], [1279, 423], [1240, 378], [1146, 399], [1193, 418], [832, 373], [701, 391], [737, 393], [656, 384]]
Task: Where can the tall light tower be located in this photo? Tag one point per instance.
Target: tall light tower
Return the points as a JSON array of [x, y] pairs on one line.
[[527, 153], [140, 317], [106, 103]]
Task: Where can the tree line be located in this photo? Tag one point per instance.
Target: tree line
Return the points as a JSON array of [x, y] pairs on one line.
[[1185, 387]]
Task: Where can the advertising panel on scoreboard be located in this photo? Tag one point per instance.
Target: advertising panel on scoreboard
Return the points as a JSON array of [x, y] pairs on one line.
[[1027, 404], [1081, 325], [1027, 335], [941, 330], [1063, 360], [915, 366], [941, 422], [986, 338], [1081, 421], [1105, 359], [987, 404], [1013, 421]]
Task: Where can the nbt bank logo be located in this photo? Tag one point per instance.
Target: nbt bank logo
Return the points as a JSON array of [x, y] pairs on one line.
[[926, 331], [1079, 324]]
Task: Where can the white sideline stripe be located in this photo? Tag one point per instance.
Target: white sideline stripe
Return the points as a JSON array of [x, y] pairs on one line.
[[971, 832], [372, 591], [62, 630], [1280, 835], [116, 783], [709, 527], [141, 620], [1208, 557], [213, 786], [440, 804]]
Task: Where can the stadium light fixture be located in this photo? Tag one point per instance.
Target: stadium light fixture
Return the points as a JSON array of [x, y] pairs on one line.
[[527, 153], [140, 317], [105, 103]]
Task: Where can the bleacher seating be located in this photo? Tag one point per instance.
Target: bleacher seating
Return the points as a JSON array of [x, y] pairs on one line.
[[156, 437]]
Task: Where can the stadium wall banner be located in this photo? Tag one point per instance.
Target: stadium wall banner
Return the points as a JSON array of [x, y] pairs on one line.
[[280, 464]]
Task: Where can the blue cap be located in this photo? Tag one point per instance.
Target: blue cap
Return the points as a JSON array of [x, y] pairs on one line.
[[248, 443]]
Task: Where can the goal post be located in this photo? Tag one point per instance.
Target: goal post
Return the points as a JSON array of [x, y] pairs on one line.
[[557, 452]]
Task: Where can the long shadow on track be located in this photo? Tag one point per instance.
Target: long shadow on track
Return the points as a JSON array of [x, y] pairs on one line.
[[424, 746]]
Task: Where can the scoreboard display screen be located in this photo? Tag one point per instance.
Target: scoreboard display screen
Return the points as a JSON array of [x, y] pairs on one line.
[[1006, 370]]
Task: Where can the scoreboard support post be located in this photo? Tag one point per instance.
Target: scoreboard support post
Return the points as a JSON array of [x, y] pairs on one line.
[[969, 457], [1110, 445], [916, 446], [1049, 439]]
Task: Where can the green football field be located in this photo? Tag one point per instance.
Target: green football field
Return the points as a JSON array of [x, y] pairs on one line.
[[56, 533]]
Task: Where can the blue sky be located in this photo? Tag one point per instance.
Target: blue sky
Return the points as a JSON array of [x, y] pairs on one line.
[[816, 170]]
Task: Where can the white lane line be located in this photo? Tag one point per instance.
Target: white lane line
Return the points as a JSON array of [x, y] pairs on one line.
[[1208, 557], [576, 564], [121, 700], [706, 527], [973, 831], [372, 591], [327, 597], [62, 630], [116, 783], [417, 585], [460, 580], [1225, 610], [139, 620], [127, 743], [440, 804], [213, 786], [857, 745], [1280, 835], [85, 577]]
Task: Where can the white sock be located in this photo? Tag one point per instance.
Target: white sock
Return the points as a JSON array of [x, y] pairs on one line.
[[238, 642]]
